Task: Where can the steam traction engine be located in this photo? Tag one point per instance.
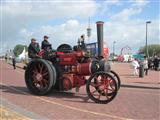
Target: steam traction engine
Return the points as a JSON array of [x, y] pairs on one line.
[[69, 68]]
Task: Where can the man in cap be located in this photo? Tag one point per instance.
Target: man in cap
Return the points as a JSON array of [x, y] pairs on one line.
[[33, 49], [45, 44], [83, 45]]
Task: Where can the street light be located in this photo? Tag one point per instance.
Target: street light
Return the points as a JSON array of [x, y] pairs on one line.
[[148, 22], [114, 48]]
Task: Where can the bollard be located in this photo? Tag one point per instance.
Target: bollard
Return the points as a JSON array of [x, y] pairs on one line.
[[141, 71]]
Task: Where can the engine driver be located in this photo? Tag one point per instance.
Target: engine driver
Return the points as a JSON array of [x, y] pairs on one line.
[[46, 46], [83, 45], [33, 49]]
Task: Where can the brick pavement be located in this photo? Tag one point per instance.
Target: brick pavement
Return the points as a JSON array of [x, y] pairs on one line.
[[125, 72], [130, 102]]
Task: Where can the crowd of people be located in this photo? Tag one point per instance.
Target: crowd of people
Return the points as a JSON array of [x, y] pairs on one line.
[[153, 63]]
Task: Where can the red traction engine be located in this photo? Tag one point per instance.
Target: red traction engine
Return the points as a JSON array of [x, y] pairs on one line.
[[69, 68]]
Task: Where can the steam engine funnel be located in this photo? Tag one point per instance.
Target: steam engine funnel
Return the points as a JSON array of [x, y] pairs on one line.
[[100, 38]]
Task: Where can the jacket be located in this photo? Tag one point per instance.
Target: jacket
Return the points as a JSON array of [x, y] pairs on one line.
[[33, 50], [46, 45]]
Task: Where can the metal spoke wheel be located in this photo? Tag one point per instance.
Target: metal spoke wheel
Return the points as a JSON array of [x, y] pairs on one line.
[[116, 77], [40, 76], [101, 87]]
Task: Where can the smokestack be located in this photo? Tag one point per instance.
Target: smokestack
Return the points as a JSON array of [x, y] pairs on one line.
[[100, 38]]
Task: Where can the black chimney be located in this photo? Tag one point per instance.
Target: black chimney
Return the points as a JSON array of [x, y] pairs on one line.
[[100, 38]]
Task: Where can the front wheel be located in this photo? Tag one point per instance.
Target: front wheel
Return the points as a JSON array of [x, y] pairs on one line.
[[101, 87], [118, 81]]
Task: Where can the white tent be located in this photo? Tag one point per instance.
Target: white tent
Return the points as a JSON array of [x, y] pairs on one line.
[[23, 55]]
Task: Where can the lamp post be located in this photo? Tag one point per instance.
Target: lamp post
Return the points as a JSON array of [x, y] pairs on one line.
[[147, 55], [114, 42]]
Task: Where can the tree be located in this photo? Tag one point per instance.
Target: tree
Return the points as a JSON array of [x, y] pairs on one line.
[[18, 49], [153, 49]]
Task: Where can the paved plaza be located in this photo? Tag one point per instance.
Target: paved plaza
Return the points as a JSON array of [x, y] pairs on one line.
[[138, 98]]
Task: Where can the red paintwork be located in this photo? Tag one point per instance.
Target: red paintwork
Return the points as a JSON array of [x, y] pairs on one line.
[[75, 80], [67, 59], [74, 70], [83, 69]]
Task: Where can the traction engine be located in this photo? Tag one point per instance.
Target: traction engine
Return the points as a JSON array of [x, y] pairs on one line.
[[67, 68]]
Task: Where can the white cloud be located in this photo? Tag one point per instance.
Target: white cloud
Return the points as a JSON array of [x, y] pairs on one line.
[[139, 3], [50, 9], [112, 2], [104, 7], [131, 33], [22, 21], [24, 32], [125, 14], [67, 32], [17, 17]]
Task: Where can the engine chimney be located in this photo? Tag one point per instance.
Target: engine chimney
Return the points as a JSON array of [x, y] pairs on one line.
[[100, 38]]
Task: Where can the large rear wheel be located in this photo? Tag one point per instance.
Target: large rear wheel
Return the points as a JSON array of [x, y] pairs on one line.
[[40, 76], [101, 87]]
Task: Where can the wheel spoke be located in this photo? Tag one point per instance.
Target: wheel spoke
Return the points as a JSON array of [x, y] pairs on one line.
[[107, 96], [45, 82], [99, 95], [34, 78], [93, 84], [35, 81], [94, 92], [110, 89], [44, 74], [39, 67], [35, 69], [111, 85], [45, 70], [41, 84]]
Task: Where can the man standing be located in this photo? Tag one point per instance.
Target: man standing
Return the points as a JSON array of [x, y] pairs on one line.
[[135, 65], [33, 49], [156, 63], [45, 44], [145, 63], [14, 62]]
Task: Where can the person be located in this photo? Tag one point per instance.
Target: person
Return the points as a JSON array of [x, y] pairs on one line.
[[135, 65], [156, 63], [14, 62], [145, 63], [6, 58], [150, 63], [83, 45], [45, 44], [33, 49]]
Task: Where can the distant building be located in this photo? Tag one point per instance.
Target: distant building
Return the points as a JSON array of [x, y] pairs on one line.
[[93, 49]]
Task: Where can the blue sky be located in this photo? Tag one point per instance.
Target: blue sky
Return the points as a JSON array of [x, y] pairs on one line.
[[64, 21]]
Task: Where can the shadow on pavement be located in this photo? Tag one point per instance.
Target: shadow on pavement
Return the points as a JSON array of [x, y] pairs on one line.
[[70, 96], [142, 87], [147, 82], [129, 76], [18, 90]]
